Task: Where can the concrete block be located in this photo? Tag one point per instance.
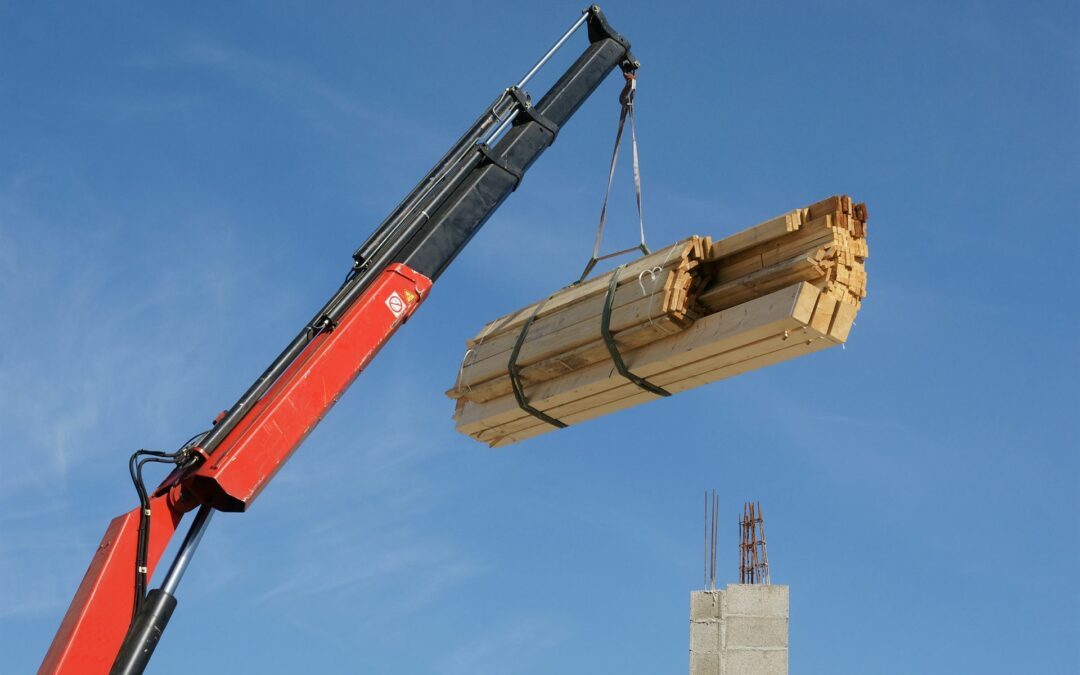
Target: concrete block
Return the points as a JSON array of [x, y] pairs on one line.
[[755, 662], [705, 605], [742, 630], [704, 664], [755, 600], [705, 637], [747, 631]]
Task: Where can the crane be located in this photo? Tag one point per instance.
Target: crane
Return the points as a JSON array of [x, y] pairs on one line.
[[113, 623]]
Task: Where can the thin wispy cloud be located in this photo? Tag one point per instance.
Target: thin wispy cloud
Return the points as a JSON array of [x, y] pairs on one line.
[[417, 569], [94, 355], [368, 540], [32, 559], [506, 649], [76, 350], [128, 107], [9, 255], [324, 106]]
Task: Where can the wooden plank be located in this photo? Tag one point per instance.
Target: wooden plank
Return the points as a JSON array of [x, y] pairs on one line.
[[815, 253], [629, 290], [567, 361], [505, 410], [842, 322], [479, 371], [682, 374], [860, 249], [481, 381], [673, 380], [823, 314], [814, 234], [758, 234], [786, 309], [803, 267], [779, 354], [490, 359], [567, 299], [586, 289], [828, 206], [620, 389]]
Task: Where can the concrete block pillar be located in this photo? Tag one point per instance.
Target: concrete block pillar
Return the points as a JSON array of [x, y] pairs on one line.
[[742, 630]]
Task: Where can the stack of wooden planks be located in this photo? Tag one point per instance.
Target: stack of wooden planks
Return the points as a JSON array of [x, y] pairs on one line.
[[693, 313]]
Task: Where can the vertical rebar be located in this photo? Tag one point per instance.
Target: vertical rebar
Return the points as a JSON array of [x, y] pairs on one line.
[[715, 519], [742, 546], [753, 550], [705, 546], [754, 541], [745, 573], [764, 547]]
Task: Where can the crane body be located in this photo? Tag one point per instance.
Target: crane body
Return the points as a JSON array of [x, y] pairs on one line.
[[111, 624]]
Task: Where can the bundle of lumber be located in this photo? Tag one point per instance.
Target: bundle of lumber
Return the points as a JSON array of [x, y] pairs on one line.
[[693, 313]]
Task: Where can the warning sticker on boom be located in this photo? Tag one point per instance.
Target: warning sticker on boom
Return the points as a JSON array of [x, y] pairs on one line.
[[396, 304]]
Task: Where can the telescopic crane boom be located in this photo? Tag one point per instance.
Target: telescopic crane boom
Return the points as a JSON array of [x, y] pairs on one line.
[[111, 626]]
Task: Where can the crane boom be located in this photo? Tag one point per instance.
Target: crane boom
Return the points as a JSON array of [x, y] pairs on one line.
[[391, 275]]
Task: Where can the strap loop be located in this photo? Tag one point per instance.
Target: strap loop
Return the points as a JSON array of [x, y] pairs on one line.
[[613, 349], [515, 374]]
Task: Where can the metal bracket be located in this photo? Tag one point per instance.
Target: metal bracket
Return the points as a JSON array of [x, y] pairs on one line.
[[485, 150], [600, 29], [527, 113]]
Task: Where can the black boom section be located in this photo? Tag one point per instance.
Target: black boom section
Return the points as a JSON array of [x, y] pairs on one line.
[[449, 205], [460, 217]]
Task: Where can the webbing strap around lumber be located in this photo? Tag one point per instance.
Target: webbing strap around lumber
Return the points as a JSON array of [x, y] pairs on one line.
[[613, 349], [515, 374]]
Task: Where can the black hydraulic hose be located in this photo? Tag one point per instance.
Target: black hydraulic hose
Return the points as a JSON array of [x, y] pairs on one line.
[[496, 112], [387, 254], [135, 466], [244, 403]]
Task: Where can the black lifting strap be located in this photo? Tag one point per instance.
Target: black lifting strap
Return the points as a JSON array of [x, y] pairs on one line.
[[515, 374], [613, 349]]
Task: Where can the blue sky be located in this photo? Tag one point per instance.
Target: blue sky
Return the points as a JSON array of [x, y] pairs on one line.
[[181, 186]]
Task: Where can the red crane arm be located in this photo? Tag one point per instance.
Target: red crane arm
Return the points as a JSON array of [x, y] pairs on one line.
[[392, 272], [98, 618]]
